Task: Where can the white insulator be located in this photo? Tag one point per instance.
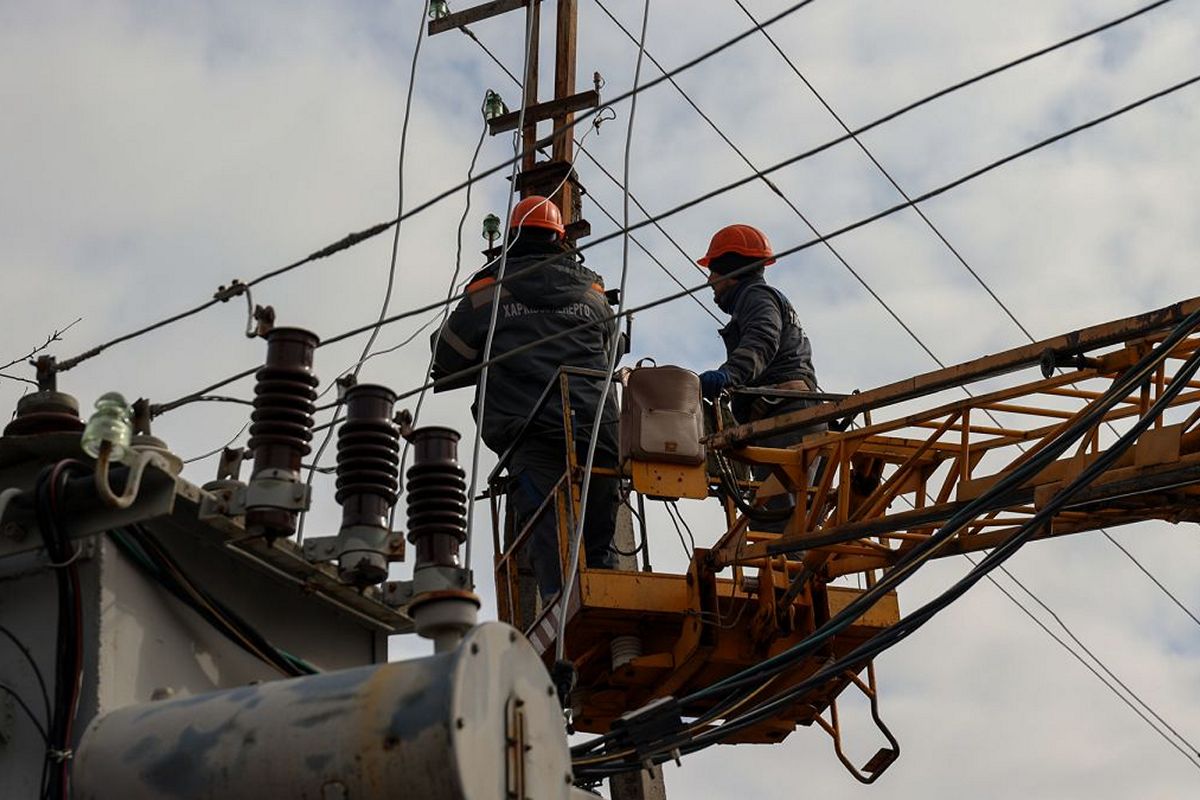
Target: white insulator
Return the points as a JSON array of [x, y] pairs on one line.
[[625, 649]]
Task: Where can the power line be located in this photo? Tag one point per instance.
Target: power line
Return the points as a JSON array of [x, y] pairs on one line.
[[883, 171], [787, 200], [18, 379], [1150, 575], [840, 231], [220, 449], [391, 280], [936, 231], [951, 247], [490, 337], [355, 238], [617, 182], [699, 287], [614, 354], [1083, 647]]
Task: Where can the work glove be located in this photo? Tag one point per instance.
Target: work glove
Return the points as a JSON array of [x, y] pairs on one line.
[[712, 382]]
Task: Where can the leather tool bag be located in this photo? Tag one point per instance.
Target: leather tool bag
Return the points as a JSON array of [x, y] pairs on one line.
[[661, 418]]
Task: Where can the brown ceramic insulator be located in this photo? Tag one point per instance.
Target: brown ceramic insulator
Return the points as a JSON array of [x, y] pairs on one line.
[[282, 420], [284, 401], [45, 412], [437, 497], [368, 457]]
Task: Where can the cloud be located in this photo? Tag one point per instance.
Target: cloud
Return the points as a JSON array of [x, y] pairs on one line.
[[151, 153]]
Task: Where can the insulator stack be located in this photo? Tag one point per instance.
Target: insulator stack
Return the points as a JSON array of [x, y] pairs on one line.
[[444, 607], [368, 481], [437, 497], [45, 412], [280, 431]]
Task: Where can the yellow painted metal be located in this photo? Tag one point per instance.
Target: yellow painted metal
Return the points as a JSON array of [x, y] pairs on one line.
[[864, 498], [657, 479]]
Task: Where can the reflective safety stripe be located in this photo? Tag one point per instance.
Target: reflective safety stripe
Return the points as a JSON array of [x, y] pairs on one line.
[[462, 348]]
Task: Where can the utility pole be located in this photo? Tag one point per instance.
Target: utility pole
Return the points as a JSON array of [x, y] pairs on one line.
[[554, 177]]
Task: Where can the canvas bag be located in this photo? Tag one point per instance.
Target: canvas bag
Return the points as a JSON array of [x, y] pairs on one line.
[[661, 419]]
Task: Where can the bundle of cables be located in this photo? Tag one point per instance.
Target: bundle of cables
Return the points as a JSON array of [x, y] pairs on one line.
[[68, 674], [144, 550], [730, 695]]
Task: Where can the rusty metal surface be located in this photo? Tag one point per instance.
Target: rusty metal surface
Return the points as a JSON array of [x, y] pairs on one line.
[[863, 499], [425, 728], [1094, 337]]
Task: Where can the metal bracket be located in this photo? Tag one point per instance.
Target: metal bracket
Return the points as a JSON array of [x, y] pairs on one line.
[[885, 756], [224, 498], [230, 465], [326, 548], [86, 513], [270, 490], [1052, 361], [516, 749], [399, 594]]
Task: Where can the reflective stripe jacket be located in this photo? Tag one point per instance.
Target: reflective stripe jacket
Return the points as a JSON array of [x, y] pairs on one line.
[[764, 343], [545, 300]]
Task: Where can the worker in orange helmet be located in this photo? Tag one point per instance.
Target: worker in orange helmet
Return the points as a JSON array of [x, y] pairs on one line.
[[765, 347], [546, 291]]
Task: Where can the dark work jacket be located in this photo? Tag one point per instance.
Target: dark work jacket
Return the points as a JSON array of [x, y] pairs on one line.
[[764, 343], [545, 300]]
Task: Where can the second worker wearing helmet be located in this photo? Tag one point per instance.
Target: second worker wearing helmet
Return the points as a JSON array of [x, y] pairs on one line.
[[765, 347], [546, 291]]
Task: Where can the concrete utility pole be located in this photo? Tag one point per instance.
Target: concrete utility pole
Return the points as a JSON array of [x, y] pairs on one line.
[[554, 177], [542, 177]]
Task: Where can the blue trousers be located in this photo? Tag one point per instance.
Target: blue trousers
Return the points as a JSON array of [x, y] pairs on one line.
[[533, 473]]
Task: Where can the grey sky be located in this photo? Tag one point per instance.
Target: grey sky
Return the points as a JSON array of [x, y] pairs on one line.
[[152, 151]]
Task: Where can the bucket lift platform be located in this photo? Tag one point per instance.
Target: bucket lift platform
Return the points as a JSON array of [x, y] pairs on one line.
[[864, 497]]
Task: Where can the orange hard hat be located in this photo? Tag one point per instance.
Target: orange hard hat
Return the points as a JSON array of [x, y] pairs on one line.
[[536, 211], [745, 240]]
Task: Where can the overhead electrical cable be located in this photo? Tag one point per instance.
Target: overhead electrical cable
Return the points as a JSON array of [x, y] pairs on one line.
[[1074, 638], [1066, 437], [1151, 576], [391, 279], [940, 236], [787, 200], [445, 312], [55, 336], [614, 353], [617, 182], [915, 620], [18, 379], [360, 236], [1069, 648], [862, 222], [812, 242], [220, 449], [485, 371]]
